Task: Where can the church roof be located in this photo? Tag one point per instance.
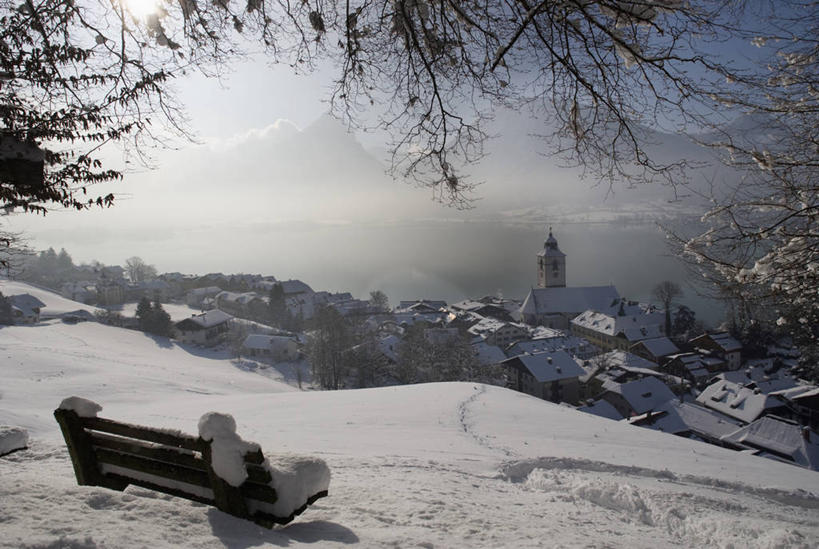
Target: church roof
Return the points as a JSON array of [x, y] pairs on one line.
[[542, 301]]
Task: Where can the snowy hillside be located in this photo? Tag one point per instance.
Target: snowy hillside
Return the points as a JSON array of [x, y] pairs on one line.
[[55, 304], [439, 465]]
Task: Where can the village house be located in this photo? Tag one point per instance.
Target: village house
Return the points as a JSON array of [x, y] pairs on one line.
[[488, 310], [197, 297], [693, 367], [689, 420], [486, 354], [747, 404], [550, 376], [803, 401], [780, 439], [246, 305], [84, 291], [295, 287], [766, 374], [601, 408], [618, 330], [264, 284], [207, 328], [656, 349], [25, 308], [557, 341], [620, 367], [638, 396], [421, 306], [721, 344], [497, 332], [348, 305], [276, 347]]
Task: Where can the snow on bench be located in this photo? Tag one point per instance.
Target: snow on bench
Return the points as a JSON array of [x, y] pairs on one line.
[[216, 468]]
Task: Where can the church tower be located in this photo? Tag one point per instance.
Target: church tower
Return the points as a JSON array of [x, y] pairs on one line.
[[551, 265]]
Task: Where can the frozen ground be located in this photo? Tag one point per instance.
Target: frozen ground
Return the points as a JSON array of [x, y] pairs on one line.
[[438, 465]]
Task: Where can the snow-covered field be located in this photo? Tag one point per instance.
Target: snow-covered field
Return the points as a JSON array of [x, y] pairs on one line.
[[439, 465]]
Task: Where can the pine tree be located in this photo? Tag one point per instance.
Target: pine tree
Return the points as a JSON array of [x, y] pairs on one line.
[[143, 313], [277, 308], [6, 318], [160, 321]]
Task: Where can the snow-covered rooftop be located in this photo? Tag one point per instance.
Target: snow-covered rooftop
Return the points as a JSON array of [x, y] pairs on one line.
[[627, 361], [572, 344], [675, 417], [208, 319], [659, 346], [488, 354], [633, 327], [782, 438], [737, 401], [764, 374], [723, 340], [549, 366], [290, 287], [645, 394], [602, 408]]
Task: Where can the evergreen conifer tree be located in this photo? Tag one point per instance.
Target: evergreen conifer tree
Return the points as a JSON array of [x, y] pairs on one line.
[[160, 321], [143, 313], [6, 317]]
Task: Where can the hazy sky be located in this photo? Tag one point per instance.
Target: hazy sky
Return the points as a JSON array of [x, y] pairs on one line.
[[275, 187]]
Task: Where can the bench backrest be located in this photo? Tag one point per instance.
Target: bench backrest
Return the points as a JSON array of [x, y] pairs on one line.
[[113, 454]]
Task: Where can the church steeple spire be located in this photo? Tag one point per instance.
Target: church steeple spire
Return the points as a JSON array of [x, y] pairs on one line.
[[551, 242], [551, 264]]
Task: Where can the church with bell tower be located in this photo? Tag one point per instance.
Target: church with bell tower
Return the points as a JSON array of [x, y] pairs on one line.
[[551, 265], [551, 303]]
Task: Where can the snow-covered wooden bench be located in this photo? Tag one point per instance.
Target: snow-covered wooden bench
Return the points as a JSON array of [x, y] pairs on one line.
[[216, 468]]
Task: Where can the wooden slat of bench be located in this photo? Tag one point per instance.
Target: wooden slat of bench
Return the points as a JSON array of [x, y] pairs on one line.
[[258, 474], [149, 450], [144, 433], [261, 492], [173, 456], [152, 467], [159, 488]]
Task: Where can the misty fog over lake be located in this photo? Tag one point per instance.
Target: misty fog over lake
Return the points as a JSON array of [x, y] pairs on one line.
[[316, 205], [450, 259]]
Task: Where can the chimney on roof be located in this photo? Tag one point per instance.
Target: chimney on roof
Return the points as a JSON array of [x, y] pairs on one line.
[[806, 433], [549, 359]]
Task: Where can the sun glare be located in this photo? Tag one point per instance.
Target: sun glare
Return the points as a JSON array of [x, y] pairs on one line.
[[141, 8]]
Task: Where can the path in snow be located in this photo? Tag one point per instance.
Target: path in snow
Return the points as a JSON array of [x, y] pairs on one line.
[[469, 428]]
